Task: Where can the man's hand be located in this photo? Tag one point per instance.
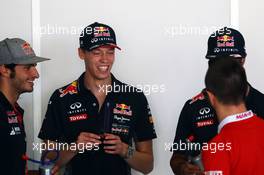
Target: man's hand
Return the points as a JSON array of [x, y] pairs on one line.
[[190, 169], [114, 145], [67, 155], [55, 170], [86, 137], [181, 166]]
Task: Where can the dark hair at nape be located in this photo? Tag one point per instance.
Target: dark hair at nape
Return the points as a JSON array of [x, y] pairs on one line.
[[12, 68], [227, 80], [212, 60]]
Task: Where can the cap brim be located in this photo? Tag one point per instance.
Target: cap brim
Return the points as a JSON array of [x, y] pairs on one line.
[[226, 55], [32, 60], [114, 45], [104, 44]]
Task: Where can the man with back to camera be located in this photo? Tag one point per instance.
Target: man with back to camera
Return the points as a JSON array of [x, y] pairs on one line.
[[83, 113], [240, 141], [198, 119], [17, 74]]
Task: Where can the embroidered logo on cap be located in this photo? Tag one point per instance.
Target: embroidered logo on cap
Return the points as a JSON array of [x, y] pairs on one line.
[[27, 49], [101, 31]]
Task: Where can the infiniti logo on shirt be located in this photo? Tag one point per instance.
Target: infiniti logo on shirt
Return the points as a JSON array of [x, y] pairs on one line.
[[204, 111], [76, 105]]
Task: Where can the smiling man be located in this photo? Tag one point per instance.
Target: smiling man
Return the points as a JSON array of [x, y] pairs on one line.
[[87, 112], [17, 74]]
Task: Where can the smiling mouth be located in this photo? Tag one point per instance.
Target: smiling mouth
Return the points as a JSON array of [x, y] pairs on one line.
[[31, 82], [103, 68]]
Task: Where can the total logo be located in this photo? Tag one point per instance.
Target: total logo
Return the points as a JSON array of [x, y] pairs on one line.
[[205, 123], [204, 111], [78, 117], [76, 105]]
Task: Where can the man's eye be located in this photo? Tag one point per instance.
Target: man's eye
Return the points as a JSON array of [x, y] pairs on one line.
[[96, 53], [111, 52], [27, 67]]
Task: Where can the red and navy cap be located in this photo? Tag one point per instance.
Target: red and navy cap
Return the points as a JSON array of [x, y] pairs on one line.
[[226, 42], [96, 35]]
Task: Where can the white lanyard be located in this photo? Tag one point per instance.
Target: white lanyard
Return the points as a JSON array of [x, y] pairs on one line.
[[235, 118]]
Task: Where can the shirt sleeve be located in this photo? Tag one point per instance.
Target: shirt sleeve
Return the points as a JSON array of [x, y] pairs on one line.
[[184, 128], [51, 128], [144, 126], [215, 162]]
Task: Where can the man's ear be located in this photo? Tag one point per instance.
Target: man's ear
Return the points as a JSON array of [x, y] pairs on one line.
[[5, 72], [211, 97], [242, 62], [81, 53]]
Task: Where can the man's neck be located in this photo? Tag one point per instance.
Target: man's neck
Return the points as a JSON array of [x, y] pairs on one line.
[[224, 111], [248, 89], [96, 85]]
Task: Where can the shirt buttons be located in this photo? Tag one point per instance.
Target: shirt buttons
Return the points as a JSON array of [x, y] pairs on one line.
[[94, 104]]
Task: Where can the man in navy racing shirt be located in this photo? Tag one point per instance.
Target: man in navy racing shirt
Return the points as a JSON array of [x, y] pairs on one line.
[[88, 111], [198, 119]]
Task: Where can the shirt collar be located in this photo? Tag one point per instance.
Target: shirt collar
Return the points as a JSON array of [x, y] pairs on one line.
[[4, 101], [7, 105], [235, 118]]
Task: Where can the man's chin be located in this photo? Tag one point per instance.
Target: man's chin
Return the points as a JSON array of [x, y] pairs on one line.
[[26, 91], [103, 76]]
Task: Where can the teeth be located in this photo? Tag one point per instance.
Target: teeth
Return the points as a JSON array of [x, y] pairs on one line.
[[103, 68]]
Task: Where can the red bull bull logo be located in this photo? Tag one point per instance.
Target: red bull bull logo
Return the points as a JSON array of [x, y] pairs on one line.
[[225, 38], [123, 106], [27, 49], [71, 89], [101, 31], [225, 41], [197, 97], [122, 109]]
